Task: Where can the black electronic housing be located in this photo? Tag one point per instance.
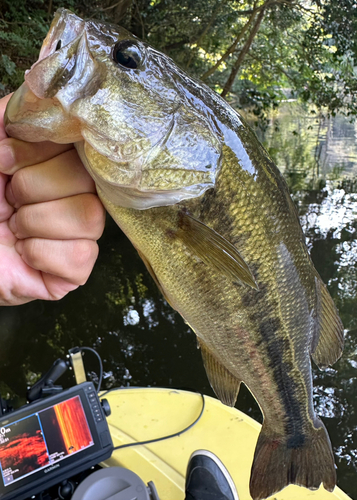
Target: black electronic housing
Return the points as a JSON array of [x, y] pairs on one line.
[[20, 484]]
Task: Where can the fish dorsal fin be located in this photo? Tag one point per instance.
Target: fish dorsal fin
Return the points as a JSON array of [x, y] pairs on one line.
[[214, 250], [224, 384], [328, 341]]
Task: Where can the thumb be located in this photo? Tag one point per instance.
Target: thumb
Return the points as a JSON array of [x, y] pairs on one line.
[[3, 103]]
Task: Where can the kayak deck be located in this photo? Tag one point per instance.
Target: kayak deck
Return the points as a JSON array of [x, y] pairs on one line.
[[140, 414]]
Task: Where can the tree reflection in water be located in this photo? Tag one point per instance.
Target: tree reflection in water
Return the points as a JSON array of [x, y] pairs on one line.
[[329, 219], [143, 342]]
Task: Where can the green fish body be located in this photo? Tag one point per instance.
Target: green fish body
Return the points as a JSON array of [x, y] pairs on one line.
[[211, 217]]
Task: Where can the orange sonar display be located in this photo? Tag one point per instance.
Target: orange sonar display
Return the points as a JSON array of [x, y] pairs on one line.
[[70, 417], [42, 439], [26, 452]]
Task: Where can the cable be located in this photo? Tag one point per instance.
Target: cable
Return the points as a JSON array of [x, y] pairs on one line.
[[100, 378], [149, 440], [170, 435]]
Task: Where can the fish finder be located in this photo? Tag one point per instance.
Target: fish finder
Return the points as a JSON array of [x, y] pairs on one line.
[[50, 440]]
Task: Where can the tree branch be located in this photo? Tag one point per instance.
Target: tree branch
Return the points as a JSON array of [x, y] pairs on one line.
[[177, 45], [140, 19], [231, 48], [204, 32], [274, 66], [244, 52], [110, 6]]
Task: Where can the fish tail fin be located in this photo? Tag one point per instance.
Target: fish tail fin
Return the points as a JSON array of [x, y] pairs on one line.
[[302, 460]]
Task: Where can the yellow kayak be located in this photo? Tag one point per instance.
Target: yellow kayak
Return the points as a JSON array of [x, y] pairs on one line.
[[141, 414]]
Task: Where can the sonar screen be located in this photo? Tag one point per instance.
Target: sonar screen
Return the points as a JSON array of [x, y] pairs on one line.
[[50, 439]]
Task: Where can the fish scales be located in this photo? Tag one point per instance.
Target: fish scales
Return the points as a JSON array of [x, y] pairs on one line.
[[258, 316], [210, 215]]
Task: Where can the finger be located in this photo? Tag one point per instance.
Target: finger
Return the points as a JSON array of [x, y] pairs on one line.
[[70, 260], [56, 178], [80, 216], [16, 154], [3, 103], [5, 209], [56, 287]]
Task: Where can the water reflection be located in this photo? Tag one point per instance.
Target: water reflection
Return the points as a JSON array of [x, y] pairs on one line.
[[328, 216], [142, 341], [305, 141], [336, 212]]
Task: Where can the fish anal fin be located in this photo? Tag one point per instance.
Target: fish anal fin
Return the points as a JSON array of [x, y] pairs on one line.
[[214, 250], [224, 384], [328, 341], [303, 460], [153, 275]]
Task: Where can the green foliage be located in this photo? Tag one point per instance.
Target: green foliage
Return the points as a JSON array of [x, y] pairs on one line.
[[303, 49], [328, 54], [23, 25]]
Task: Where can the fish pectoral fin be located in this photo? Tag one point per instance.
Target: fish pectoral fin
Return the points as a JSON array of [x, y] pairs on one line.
[[214, 250], [328, 341], [224, 384], [153, 275]]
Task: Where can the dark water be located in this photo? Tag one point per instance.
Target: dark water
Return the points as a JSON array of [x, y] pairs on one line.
[[142, 341]]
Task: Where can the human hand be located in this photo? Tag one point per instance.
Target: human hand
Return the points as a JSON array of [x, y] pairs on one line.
[[50, 219]]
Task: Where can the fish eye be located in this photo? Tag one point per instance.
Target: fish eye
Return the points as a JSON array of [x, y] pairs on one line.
[[59, 45], [126, 53]]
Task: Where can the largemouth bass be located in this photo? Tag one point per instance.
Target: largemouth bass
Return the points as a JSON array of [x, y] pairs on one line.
[[210, 215]]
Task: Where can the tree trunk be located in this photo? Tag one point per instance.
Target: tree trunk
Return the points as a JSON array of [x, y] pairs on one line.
[[243, 53], [231, 48], [118, 8]]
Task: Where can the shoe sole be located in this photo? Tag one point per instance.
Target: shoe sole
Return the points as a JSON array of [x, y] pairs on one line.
[[221, 466]]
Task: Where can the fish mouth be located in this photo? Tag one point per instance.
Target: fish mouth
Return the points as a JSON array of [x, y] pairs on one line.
[[38, 110], [58, 56], [68, 74], [34, 120]]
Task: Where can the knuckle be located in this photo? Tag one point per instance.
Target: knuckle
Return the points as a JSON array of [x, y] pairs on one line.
[[94, 216], [57, 287], [21, 185], [34, 252], [17, 152], [9, 142], [8, 155], [5, 212], [57, 293], [24, 221], [5, 295], [85, 255]]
